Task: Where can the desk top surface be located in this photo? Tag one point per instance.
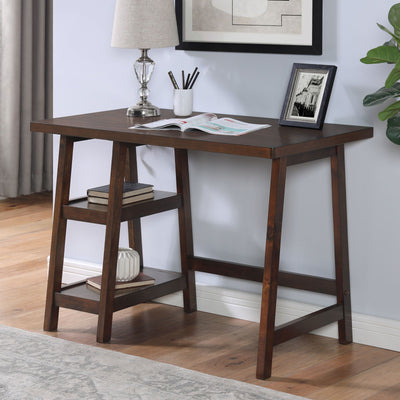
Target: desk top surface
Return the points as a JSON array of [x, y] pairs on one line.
[[274, 142]]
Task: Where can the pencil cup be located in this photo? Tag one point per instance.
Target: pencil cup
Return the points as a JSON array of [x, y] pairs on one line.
[[183, 102], [128, 265]]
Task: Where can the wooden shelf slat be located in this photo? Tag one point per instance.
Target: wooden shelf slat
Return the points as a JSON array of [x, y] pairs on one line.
[[82, 210], [82, 298]]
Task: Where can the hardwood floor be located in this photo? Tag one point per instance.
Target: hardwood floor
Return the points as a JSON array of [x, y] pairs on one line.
[[310, 366]]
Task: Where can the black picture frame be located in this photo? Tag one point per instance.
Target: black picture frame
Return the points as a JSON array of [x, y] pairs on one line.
[[312, 48], [308, 95]]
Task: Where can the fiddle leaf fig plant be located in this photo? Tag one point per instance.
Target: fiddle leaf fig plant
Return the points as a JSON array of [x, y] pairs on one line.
[[388, 53]]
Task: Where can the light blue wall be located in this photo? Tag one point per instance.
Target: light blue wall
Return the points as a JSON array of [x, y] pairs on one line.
[[229, 193]]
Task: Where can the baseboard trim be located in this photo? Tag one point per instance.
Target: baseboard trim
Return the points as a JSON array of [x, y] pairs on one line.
[[367, 329]]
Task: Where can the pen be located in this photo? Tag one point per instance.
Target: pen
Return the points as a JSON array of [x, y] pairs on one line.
[[187, 81], [171, 75], [194, 80], [191, 79]]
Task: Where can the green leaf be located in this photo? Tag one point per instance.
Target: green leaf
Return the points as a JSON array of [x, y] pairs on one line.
[[382, 54], [382, 95], [390, 111], [394, 16], [393, 129], [394, 75], [393, 35]]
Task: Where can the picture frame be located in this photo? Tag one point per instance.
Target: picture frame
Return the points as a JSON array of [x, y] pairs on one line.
[[308, 95], [290, 26]]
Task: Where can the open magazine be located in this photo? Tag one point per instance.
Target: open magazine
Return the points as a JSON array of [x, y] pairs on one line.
[[206, 122]]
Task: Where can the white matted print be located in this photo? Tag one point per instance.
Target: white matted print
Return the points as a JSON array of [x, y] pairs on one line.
[[307, 96], [282, 26]]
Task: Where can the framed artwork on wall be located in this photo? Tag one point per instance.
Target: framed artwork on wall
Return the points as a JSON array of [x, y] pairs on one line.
[[307, 95], [252, 26]]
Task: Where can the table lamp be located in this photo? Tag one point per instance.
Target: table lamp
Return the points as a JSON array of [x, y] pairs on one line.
[[144, 24]]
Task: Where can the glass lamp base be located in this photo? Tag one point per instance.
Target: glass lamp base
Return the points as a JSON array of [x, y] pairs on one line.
[[143, 110]]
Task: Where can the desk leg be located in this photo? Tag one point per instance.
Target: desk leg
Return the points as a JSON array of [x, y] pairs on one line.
[[111, 242], [341, 243], [271, 268], [134, 226], [185, 228], [59, 232]]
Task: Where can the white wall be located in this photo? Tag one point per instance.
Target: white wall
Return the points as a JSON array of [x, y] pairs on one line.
[[229, 193]]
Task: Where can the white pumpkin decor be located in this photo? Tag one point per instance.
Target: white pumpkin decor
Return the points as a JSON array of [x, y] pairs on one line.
[[128, 265]]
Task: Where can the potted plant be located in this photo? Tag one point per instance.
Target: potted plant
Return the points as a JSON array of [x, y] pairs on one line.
[[389, 53]]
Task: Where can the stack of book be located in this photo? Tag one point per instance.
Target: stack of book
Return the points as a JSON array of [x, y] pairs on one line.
[[132, 192], [122, 286]]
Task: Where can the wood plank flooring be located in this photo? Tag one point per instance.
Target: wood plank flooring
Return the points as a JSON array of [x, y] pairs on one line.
[[310, 366]]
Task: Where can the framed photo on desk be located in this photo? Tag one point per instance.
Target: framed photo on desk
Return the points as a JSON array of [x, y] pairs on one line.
[[253, 26], [307, 95]]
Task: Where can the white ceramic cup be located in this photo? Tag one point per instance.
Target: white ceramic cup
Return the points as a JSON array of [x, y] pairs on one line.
[[128, 264], [183, 102]]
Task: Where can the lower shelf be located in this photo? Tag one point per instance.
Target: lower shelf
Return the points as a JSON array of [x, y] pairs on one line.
[[79, 297]]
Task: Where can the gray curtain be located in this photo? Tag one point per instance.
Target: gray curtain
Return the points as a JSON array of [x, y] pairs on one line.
[[25, 95]]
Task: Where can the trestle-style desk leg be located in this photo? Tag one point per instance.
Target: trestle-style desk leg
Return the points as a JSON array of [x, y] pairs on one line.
[[120, 169], [185, 228], [113, 223], [341, 311], [58, 232], [341, 243], [134, 225], [271, 268]]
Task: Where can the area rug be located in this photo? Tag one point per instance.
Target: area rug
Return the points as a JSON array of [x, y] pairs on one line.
[[39, 367]]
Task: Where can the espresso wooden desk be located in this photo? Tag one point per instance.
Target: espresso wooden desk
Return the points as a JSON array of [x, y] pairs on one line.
[[286, 146]]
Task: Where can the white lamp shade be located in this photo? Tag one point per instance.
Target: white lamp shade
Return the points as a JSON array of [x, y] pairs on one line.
[[144, 24]]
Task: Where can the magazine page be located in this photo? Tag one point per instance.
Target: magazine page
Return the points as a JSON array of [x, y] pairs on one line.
[[227, 126], [176, 122]]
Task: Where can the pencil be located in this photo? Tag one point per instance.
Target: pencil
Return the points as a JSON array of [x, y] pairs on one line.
[[171, 75], [183, 79]]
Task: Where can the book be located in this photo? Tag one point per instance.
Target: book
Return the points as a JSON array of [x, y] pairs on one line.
[[206, 122], [130, 189], [125, 201], [140, 280]]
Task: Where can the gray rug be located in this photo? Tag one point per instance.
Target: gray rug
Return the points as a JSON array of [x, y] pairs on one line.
[[35, 366]]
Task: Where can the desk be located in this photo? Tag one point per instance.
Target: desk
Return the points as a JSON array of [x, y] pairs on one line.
[[285, 146]]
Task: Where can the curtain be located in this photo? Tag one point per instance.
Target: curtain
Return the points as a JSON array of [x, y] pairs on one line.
[[25, 95]]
